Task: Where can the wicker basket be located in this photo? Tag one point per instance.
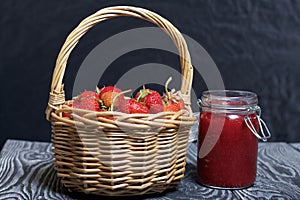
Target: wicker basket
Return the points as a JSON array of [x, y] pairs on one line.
[[132, 154]]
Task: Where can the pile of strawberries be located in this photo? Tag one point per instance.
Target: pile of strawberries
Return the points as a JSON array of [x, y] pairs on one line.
[[111, 98]]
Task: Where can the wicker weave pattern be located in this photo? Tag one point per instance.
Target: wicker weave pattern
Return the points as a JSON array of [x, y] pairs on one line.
[[112, 153]]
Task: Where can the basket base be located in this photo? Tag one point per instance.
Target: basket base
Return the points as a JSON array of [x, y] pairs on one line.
[[95, 194]]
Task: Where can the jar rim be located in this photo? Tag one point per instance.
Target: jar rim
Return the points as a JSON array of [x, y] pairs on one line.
[[229, 99]]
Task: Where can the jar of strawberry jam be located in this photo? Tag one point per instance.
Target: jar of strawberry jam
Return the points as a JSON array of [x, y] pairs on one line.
[[229, 129]]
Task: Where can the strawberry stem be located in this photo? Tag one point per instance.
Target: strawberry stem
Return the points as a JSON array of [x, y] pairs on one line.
[[115, 97], [166, 87], [97, 90], [143, 93]]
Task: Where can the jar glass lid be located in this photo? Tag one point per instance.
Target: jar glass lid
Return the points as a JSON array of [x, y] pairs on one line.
[[228, 99]]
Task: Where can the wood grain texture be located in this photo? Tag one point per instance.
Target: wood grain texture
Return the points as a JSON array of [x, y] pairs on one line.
[[278, 173], [296, 146], [26, 172]]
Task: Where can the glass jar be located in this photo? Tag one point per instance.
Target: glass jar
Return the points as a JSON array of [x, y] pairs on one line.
[[229, 124]]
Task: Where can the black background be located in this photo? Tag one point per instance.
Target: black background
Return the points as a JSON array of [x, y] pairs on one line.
[[255, 44]]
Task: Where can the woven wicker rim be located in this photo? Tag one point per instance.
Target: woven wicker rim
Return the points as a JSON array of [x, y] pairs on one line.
[[57, 94]]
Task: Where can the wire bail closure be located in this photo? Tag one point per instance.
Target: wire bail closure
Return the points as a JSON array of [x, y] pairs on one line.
[[262, 125]]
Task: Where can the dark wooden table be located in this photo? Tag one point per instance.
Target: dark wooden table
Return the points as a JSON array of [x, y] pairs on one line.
[[26, 172]]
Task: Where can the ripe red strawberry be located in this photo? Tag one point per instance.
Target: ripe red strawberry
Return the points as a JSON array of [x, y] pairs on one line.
[[108, 94], [87, 100], [108, 89], [151, 99], [131, 106], [174, 106]]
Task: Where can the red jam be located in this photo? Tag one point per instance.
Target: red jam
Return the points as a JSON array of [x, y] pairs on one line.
[[227, 149]]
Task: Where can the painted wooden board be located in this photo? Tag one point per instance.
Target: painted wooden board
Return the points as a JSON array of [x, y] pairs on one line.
[[296, 146], [27, 172]]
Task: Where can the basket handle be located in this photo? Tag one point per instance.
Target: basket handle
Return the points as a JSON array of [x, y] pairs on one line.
[[57, 96]]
